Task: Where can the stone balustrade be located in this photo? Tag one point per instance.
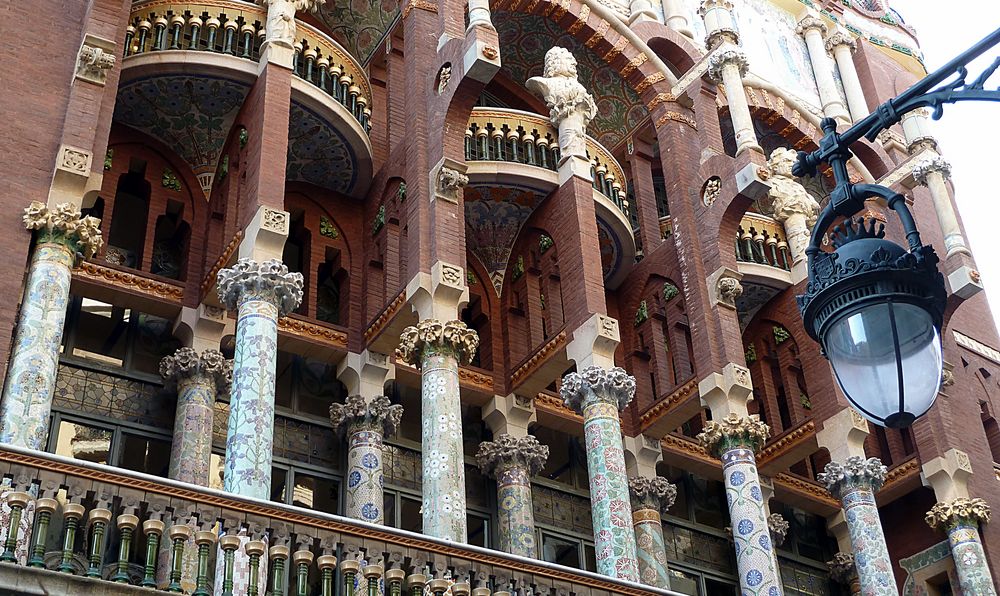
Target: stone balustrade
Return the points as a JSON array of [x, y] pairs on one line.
[[224, 27], [761, 239]]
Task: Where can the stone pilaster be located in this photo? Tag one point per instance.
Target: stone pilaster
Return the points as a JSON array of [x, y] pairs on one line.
[[854, 483], [61, 234], [512, 462], [650, 497], [840, 44], [843, 572], [598, 394], [932, 173], [260, 293], [960, 518], [735, 439], [198, 379], [812, 29], [365, 425], [728, 65], [437, 349]]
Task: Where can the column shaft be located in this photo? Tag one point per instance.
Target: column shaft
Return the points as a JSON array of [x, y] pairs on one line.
[[754, 551], [856, 102], [871, 556], [652, 550], [191, 449], [516, 518], [441, 441], [739, 110], [364, 475], [833, 107], [954, 241], [970, 559]]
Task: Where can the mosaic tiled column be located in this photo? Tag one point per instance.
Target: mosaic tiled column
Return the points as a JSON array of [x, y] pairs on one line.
[[734, 440], [843, 572], [512, 462], [198, 379], [261, 292], [365, 425], [438, 349], [854, 483], [599, 394], [961, 518], [650, 498], [60, 234]]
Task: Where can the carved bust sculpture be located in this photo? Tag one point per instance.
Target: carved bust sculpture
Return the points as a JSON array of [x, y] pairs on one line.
[[571, 107], [281, 18], [788, 195]]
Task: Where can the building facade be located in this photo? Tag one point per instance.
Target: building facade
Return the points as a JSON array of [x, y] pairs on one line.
[[309, 297]]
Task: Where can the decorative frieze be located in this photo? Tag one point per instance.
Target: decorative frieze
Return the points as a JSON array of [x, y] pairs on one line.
[[734, 431], [379, 415], [593, 384], [64, 224], [270, 280], [431, 335]]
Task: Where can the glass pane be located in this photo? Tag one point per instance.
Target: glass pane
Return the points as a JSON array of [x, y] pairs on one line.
[[283, 384], [389, 508], [558, 466], [685, 583], [561, 551], [278, 480], [154, 339], [316, 492], [81, 441], [409, 515], [100, 332], [714, 587], [589, 557], [478, 530], [709, 502], [143, 454], [318, 387]]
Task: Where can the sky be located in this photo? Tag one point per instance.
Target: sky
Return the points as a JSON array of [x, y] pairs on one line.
[[968, 132]]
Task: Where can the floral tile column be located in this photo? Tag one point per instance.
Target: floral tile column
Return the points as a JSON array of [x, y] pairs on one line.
[[512, 462], [260, 292], [365, 425], [650, 498], [960, 518], [735, 439], [60, 235], [854, 483], [438, 349], [598, 395], [199, 378]]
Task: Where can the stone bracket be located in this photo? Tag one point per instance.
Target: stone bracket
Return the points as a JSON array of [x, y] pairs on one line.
[[724, 293], [72, 177], [964, 282], [594, 342], [727, 392], [481, 60], [203, 328], [440, 294], [265, 236], [751, 181], [843, 434], [510, 414], [693, 74], [365, 374], [642, 453], [448, 179], [948, 475]]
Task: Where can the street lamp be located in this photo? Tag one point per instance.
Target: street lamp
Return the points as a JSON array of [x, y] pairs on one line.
[[875, 307]]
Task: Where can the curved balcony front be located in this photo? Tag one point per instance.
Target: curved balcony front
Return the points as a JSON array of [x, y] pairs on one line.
[[764, 259]]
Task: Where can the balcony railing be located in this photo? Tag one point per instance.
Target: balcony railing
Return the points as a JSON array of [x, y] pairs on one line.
[[761, 239], [234, 28], [322, 62], [108, 524], [499, 134]]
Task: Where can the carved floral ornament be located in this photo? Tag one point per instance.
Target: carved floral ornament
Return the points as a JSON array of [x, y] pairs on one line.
[[431, 335], [842, 568], [93, 63], [932, 164], [840, 38], [778, 527], [186, 363], [721, 59], [356, 414], [856, 472], [811, 22], [64, 224], [652, 493], [506, 452], [270, 278], [614, 386], [451, 182], [734, 431], [959, 511]]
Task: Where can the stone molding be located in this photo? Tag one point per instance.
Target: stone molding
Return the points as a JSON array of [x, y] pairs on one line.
[[855, 472], [932, 164], [811, 22], [507, 451], [958, 511], [734, 431], [431, 334], [267, 277], [840, 38], [718, 61], [614, 386], [379, 415], [187, 363], [842, 568], [65, 225], [651, 493], [571, 107], [778, 527]]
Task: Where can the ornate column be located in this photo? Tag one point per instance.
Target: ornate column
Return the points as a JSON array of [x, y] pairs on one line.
[[735, 439], [479, 14], [598, 394], [650, 498], [365, 425], [932, 173], [854, 483], [676, 19], [794, 207], [812, 28], [960, 518], [840, 44], [843, 572], [260, 292], [641, 10], [512, 462], [61, 234], [199, 378], [728, 65], [437, 349]]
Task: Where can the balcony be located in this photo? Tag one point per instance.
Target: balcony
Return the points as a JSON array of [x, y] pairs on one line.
[[764, 259], [115, 512]]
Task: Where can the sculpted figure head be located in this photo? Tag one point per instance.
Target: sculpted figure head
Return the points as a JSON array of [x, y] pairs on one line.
[[559, 62], [781, 161]]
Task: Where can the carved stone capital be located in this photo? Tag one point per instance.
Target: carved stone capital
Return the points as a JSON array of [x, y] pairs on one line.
[[186, 363], [734, 431], [842, 569], [450, 183], [722, 58], [432, 335], [571, 107], [811, 22], [378, 415], [651, 493], [840, 38], [594, 383], [95, 59], [506, 451], [958, 511], [855, 472], [932, 164], [270, 279], [789, 196], [778, 527], [64, 224]]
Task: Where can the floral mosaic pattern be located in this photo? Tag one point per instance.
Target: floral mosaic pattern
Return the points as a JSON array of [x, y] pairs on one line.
[[752, 538], [318, 153], [970, 560], [192, 115], [652, 550], [525, 39], [27, 400], [364, 476], [493, 218], [444, 472], [871, 557], [514, 510], [191, 449], [359, 25]]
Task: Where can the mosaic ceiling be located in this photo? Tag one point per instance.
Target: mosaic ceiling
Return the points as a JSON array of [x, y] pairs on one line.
[[317, 153], [493, 217], [359, 25], [192, 115], [526, 38]]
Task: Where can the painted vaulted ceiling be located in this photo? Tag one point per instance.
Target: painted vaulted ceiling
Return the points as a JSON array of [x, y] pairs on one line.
[[359, 25]]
